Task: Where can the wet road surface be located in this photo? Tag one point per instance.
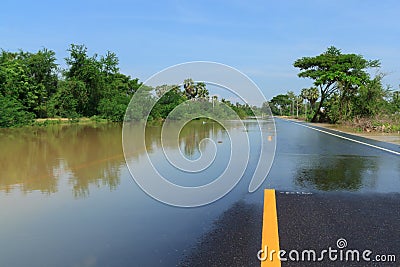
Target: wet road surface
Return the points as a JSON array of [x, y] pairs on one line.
[[328, 188], [318, 221], [77, 205]]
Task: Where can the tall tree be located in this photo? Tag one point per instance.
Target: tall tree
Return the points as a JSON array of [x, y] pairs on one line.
[[331, 69], [202, 90], [395, 101], [311, 95], [109, 63], [281, 105], [30, 78], [88, 70], [190, 88], [369, 100]]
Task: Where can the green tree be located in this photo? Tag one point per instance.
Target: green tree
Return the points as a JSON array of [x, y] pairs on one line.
[[109, 64], [265, 108], [113, 108], [88, 86], [190, 88], [70, 100], [394, 102], [30, 78], [162, 89], [14, 79], [369, 100], [116, 96], [43, 71], [88, 70], [280, 105], [331, 69], [311, 95], [13, 113], [202, 91], [169, 100]]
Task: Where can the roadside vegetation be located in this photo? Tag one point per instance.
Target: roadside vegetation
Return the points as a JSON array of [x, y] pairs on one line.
[[33, 88], [344, 92]]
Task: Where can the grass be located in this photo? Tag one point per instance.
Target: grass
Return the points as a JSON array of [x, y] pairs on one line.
[[382, 123], [55, 121]]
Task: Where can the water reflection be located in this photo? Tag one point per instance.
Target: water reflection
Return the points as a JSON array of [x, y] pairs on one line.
[[40, 159], [35, 159], [349, 173], [190, 136]]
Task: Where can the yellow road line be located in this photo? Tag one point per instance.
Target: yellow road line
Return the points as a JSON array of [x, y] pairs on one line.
[[270, 237]]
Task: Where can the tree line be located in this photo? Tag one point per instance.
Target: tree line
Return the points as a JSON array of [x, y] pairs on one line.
[[32, 85], [343, 90], [193, 99]]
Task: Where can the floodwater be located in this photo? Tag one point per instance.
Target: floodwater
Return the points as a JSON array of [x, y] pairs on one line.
[[68, 199], [308, 160]]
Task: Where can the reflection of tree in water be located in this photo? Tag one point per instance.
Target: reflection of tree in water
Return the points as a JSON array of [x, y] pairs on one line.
[[35, 159], [336, 173], [94, 157], [27, 160], [110, 177], [38, 159], [194, 132]]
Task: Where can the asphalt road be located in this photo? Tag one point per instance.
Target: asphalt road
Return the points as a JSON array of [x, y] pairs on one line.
[[330, 186], [318, 221]]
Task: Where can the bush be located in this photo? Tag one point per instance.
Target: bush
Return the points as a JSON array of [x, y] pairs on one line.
[[113, 109], [68, 101], [13, 113]]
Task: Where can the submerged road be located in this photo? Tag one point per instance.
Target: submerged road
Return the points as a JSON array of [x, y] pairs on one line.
[[336, 203], [325, 189]]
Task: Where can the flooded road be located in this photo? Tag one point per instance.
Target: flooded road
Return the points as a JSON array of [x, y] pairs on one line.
[[68, 199], [318, 162]]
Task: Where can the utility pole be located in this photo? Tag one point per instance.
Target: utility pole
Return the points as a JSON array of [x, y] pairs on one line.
[[306, 110], [293, 107], [213, 98]]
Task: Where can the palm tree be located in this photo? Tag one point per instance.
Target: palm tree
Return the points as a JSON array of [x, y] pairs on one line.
[[311, 94], [202, 90], [190, 88]]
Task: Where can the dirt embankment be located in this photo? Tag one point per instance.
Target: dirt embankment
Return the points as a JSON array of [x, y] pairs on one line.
[[377, 125]]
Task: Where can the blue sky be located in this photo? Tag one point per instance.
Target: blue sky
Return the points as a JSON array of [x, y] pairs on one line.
[[260, 38]]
